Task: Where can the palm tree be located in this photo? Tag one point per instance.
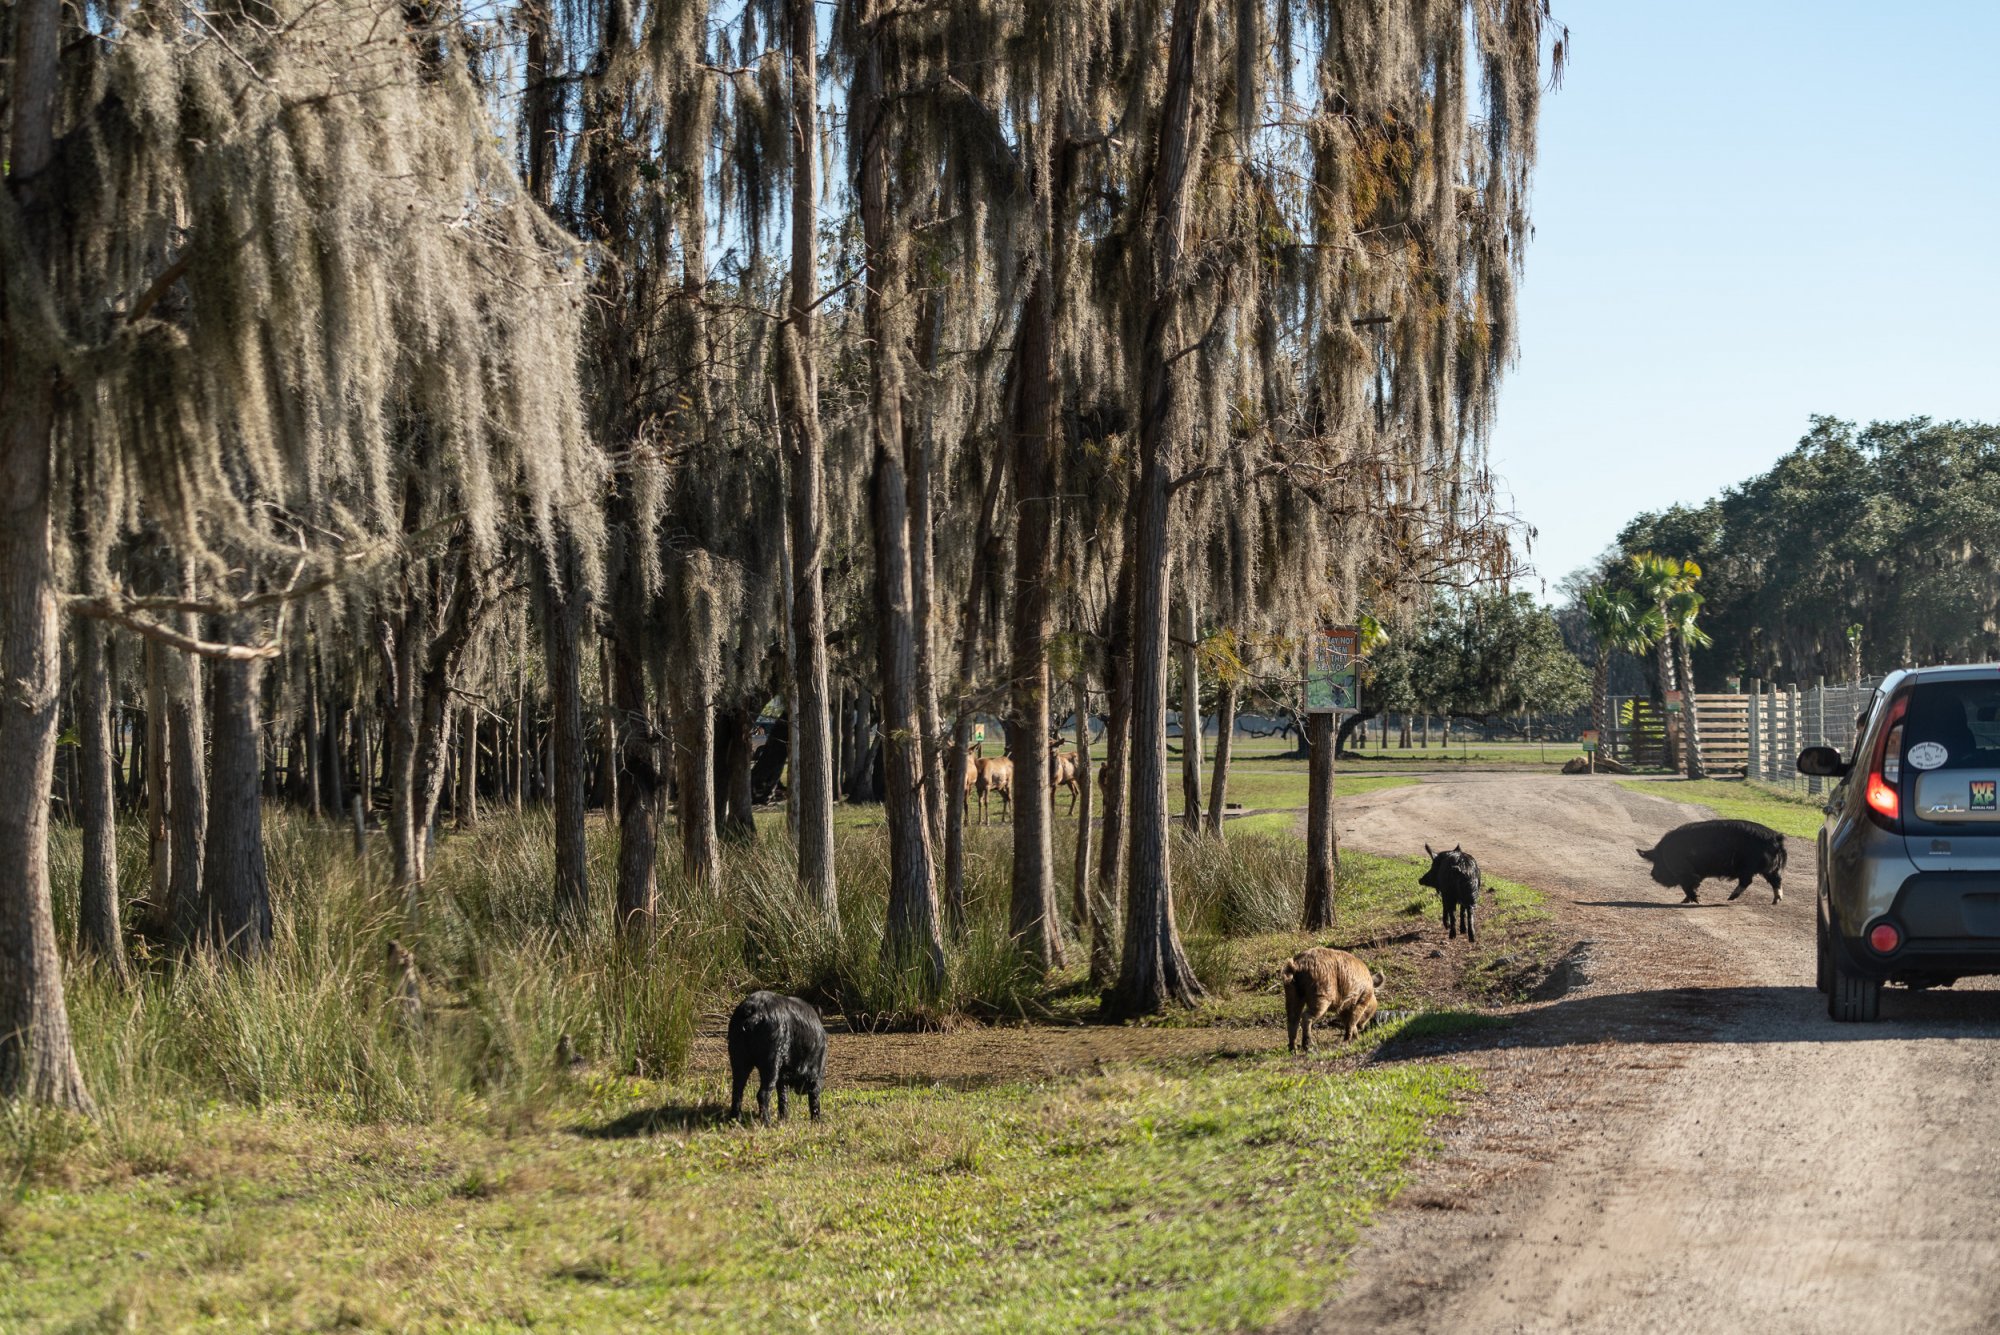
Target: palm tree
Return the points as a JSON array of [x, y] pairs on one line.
[[1666, 584], [1618, 620], [1682, 610]]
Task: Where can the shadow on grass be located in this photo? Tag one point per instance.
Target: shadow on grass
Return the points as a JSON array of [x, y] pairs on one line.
[[1427, 1029], [1650, 904], [653, 1121]]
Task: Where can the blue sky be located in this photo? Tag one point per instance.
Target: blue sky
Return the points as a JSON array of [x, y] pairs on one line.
[[1747, 213]]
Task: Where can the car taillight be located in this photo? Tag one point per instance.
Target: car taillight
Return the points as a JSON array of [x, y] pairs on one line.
[[1882, 797], [1884, 938], [1885, 770]]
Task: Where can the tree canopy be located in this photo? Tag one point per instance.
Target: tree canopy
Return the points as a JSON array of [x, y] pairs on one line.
[[1890, 527], [1478, 655]]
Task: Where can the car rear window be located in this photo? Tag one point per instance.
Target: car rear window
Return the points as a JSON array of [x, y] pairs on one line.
[[1957, 723]]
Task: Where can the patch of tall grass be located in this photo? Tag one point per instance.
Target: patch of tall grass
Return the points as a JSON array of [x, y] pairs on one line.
[[514, 1005]]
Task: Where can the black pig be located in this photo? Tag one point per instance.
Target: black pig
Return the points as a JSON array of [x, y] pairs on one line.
[[1693, 853], [782, 1039], [1454, 874]]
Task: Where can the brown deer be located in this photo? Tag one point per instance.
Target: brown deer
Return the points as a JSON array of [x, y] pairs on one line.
[[1066, 771], [996, 776]]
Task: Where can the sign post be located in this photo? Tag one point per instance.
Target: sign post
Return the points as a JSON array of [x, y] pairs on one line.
[[1332, 670], [1332, 686]]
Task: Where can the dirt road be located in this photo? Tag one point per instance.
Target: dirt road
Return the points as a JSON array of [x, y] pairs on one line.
[[1686, 1142]]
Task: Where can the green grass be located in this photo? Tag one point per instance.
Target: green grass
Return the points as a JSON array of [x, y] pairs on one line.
[[1790, 813], [1262, 786], [1252, 785], [1551, 754], [276, 1149], [1240, 924], [1191, 1196]]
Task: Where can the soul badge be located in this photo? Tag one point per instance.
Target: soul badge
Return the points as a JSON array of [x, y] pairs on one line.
[[1983, 795]]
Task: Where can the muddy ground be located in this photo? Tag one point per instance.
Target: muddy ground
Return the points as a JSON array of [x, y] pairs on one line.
[[1684, 1141]]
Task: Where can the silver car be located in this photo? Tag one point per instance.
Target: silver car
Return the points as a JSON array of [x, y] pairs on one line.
[[1909, 857]]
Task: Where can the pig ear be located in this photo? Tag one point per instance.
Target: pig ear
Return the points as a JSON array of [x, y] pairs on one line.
[[1427, 851], [1646, 853], [1458, 848]]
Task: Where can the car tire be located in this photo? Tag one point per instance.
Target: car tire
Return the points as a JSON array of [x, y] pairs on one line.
[[1855, 998], [1823, 975]]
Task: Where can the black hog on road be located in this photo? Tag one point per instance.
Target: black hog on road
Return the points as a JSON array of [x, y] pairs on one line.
[[1454, 874], [782, 1039], [1703, 849]]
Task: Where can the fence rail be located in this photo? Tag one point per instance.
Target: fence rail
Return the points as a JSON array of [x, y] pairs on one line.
[[1757, 733]]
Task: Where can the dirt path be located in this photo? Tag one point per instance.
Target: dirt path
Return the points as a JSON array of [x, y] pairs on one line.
[[1686, 1142]]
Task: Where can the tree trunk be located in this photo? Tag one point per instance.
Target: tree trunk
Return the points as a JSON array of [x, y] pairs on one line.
[[521, 720], [1105, 926], [235, 884], [333, 765], [1690, 724], [466, 815], [397, 644], [97, 929], [360, 800], [36, 1060], [1225, 728], [985, 555], [1080, 882], [156, 785], [738, 797], [923, 572], [187, 802], [1353, 723], [912, 941], [310, 744], [607, 785], [811, 761], [1600, 702], [694, 754], [1033, 913], [638, 793], [1191, 726], [562, 615], [1155, 970], [1322, 843], [860, 748], [957, 756]]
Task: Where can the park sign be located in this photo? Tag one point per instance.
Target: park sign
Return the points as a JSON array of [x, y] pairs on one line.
[[1589, 740], [1332, 670]]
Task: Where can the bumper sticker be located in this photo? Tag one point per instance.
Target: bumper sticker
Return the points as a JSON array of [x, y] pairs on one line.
[[1928, 755], [1983, 791]]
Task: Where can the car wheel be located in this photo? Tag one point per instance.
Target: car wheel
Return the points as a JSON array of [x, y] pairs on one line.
[[1854, 998], [1823, 976]]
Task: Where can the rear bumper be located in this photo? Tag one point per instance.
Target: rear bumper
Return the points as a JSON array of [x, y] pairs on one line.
[[1949, 922]]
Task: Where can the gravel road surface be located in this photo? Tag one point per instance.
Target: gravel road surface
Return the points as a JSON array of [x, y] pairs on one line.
[[1685, 1142]]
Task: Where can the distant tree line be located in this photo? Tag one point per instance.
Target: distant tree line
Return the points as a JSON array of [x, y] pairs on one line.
[[1476, 656], [1890, 528]]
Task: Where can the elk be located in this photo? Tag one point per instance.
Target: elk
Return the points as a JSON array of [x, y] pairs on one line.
[[996, 776], [1066, 771], [987, 777]]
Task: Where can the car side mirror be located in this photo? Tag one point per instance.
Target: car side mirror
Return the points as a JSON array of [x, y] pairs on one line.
[[1823, 762]]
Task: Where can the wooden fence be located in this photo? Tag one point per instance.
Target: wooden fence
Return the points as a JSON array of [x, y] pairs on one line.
[[1757, 734], [1638, 733], [1724, 723]]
